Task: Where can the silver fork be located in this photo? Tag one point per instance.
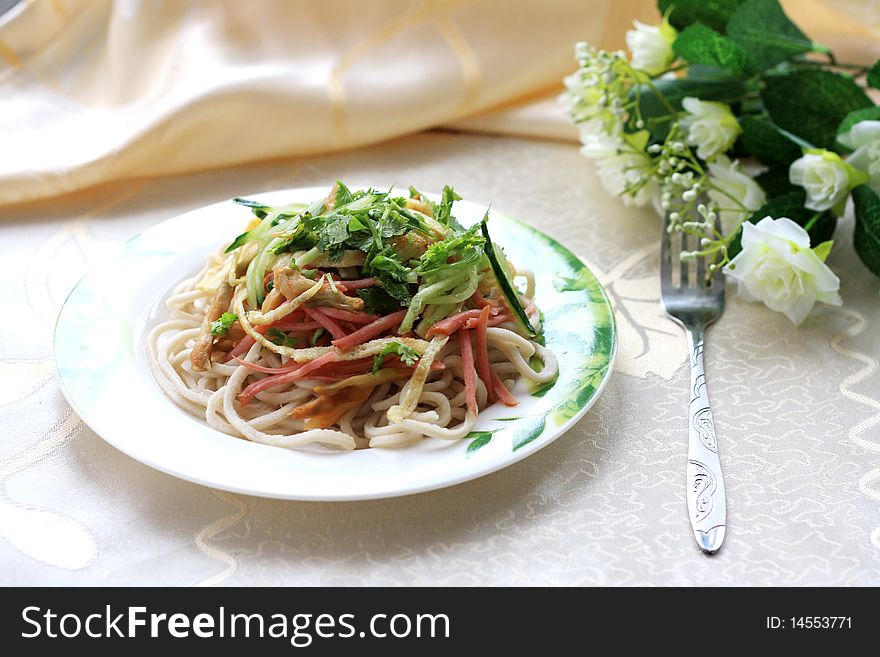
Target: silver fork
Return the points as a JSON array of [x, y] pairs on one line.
[[695, 304]]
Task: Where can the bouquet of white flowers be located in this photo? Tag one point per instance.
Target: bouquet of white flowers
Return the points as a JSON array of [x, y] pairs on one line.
[[745, 132]]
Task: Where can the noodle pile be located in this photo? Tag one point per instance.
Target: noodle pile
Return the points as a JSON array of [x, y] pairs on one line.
[[307, 361]]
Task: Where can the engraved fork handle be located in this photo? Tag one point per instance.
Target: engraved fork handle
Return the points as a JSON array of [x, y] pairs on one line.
[[705, 485]]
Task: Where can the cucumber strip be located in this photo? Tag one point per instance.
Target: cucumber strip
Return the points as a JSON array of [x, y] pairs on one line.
[[259, 209], [519, 313], [424, 296], [268, 220]]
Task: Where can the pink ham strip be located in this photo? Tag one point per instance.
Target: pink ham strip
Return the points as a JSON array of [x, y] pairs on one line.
[[501, 390], [358, 284], [241, 347], [325, 321], [479, 300], [467, 364], [452, 323], [484, 370], [354, 318], [246, 395], [497, 320], [268, 370], [370, 331]]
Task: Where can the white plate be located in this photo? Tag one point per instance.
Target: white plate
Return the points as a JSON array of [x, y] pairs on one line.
[[101, 360]]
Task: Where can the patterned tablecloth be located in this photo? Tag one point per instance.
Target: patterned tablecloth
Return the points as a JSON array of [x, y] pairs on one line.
[[797, 412]]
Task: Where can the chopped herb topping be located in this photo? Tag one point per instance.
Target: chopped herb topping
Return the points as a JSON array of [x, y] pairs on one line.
[[221, 325], [408, 355], [430, 267], [378, 301], [279, 337]]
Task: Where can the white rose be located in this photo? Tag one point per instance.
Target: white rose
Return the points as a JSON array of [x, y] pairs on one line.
[[864, 139], [777, 267], [711, 126], [651, 46], [622, 167], [727, 182], [825, 176]]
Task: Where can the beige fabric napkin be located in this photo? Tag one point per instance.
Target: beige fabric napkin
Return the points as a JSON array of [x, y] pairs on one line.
[[97, 90]]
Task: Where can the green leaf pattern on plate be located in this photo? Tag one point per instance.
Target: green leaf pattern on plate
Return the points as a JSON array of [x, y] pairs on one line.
[[528, 432], [478, 439]]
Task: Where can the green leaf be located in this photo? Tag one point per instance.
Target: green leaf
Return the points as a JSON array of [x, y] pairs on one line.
[[763, 30], [823, 250], [221, 325], [763, 141], [866, 237], [343, 195], [259, 209], [479, 439], [529, 432], [873, 77], [866, 114], [279, 337], [407, 354], [811, 104], [714, 13], [775, 182], [699, 44], [791, 205], [655, 112], [377, 300], [444, 211], [457, 251], [393, 274], [582, 281], [544, 388]]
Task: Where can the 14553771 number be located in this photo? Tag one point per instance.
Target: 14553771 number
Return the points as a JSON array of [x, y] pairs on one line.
[[809, 623]]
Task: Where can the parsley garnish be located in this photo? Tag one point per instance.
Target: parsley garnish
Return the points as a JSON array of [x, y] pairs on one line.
[[221, 325], [370, 221], [444, 211], [457, 250], [408, 355], [279, 337], [378, 301]]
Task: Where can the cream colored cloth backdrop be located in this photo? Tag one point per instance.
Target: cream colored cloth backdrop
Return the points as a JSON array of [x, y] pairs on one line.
[[95, 90]]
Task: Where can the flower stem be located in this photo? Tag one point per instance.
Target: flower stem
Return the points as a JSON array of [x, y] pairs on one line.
[[818, 47], [812, 222]]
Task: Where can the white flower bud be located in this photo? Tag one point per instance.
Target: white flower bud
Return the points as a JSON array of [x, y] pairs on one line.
[[711, 127], [826, 177], [651, 46]]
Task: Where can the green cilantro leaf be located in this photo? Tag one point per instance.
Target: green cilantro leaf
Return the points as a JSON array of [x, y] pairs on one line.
[[221, 325], [408, 355], [279, 337], [343, 194], [333, 236], [444, 210], [378, 301], [456, 251]]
